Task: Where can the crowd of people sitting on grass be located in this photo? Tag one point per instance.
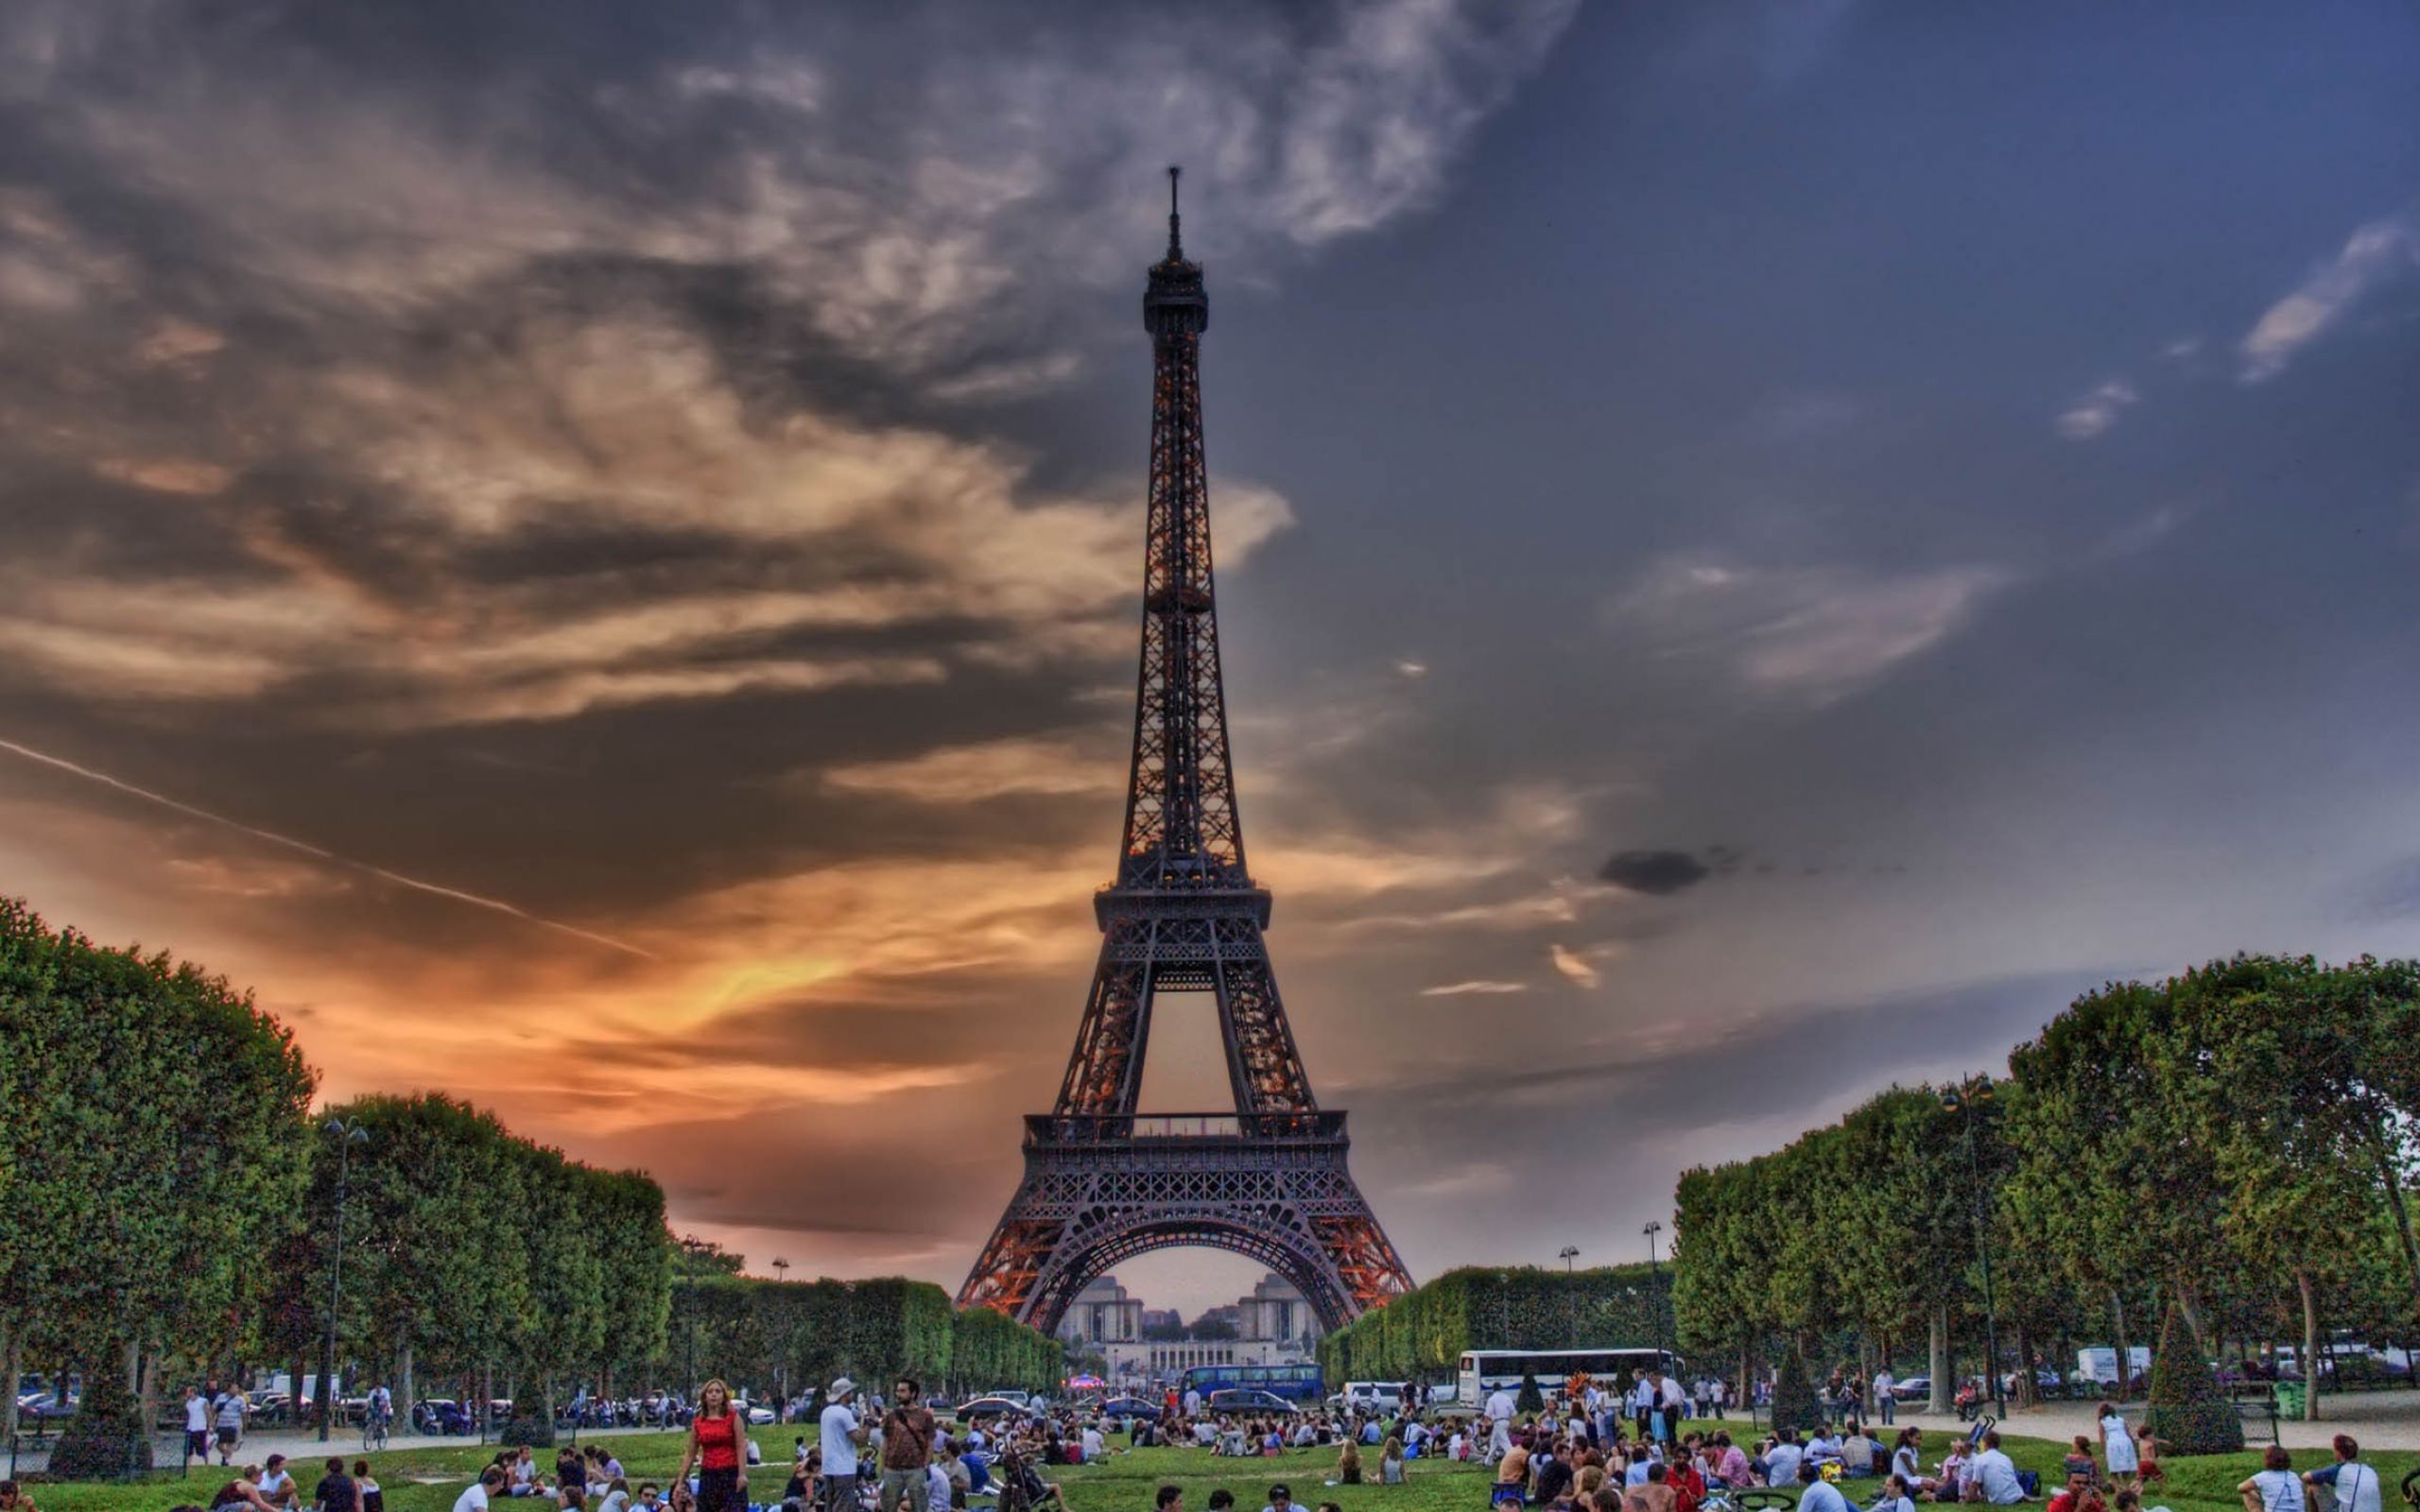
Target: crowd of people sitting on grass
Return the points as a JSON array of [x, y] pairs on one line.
[[1628, 1450]]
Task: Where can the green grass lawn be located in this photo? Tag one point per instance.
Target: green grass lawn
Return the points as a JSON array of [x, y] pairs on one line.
[[1125, 1483]]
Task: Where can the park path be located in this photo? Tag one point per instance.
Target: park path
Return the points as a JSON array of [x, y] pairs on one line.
[[2380, 1419], [304, 1446]]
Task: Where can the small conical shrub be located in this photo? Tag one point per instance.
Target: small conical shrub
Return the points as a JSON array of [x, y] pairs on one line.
[[1793, 1396], [530, 1423], [105, 1440], [1530, 1398], [2186, 1414]]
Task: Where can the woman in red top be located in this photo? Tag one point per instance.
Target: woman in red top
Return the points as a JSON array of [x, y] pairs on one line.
[[718, 1447]]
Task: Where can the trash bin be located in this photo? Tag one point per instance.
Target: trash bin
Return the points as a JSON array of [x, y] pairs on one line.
[[2289, 1400]]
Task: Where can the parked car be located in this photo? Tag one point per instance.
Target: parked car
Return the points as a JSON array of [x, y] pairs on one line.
[[268, 1406], [1251, 1400], [38, 1407], [984, 1408], [1119, 1409], [1915, 1389]]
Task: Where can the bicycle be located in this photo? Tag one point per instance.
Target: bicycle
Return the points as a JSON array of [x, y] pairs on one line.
[[373, 1433], [1749, 1498]]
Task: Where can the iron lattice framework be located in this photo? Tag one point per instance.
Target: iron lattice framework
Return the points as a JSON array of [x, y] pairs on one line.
[[1102, 1182]]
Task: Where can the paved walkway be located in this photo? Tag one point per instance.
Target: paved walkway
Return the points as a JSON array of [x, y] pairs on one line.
[[295, 1444], [2380, 1419]]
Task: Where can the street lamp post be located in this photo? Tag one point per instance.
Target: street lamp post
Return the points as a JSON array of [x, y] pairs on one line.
[[689, 1286], [782, 1375], [1963, 1099], [347, 1135], [1570, 1294], [1654, 1281]]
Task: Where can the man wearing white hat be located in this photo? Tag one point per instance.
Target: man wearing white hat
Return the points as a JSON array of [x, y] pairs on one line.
[[843, 1433]]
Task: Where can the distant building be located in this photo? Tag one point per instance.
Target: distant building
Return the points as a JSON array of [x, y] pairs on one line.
[[1163, 1321], [1276, 1314], [1102, 1315], [1273, 1326]]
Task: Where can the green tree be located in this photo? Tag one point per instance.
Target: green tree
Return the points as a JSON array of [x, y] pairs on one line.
[[155, 1146], [2250, 1047], [2114, 1172], [560, 1328]]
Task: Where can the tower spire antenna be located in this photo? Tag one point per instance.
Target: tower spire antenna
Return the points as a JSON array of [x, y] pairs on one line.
[[1176, 244]]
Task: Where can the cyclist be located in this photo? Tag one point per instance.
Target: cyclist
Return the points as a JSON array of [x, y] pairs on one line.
[[377, 1417]]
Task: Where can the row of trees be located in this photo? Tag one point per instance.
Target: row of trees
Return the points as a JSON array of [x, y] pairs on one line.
[[171, 1204], [468, 1250], [1422, 1334], [2238, 1143], [786, 1337]]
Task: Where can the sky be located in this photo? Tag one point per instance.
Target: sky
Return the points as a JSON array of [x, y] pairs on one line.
[[589, 553]]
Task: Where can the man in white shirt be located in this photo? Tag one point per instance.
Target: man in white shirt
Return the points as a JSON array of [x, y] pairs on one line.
[[1783, 1459], [196, 1426], [840, 1433], [1675, 1403], [481, 1493], [1192, 1403], [2355, 1484], [277, 1482], [1499, 1424], [1093, 1444], [1996, 1474], [1642, 1404], [1884, 1401]]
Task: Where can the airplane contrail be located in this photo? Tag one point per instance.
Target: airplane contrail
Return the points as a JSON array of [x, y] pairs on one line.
[[320, 852]]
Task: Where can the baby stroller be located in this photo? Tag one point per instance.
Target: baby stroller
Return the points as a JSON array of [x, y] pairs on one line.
[[1022, 1488]]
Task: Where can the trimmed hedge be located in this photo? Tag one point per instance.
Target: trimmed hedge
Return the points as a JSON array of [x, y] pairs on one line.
[[990, 1349], [2186, 1411], [1422, 1334], [753, 1332]]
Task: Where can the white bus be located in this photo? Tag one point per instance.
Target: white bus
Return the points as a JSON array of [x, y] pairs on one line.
[[1487, 1370]]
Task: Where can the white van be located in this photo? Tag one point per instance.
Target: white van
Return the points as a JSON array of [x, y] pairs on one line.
[[1373, 1396], [2100, 1363]]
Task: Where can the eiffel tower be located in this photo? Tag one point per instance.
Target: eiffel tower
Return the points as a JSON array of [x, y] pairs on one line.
[[1103, 1182]]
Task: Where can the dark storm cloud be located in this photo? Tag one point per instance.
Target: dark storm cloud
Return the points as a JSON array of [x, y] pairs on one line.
[[1657, 873]]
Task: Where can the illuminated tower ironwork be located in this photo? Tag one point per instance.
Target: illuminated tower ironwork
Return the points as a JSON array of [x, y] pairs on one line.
[[1102, 1181]]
